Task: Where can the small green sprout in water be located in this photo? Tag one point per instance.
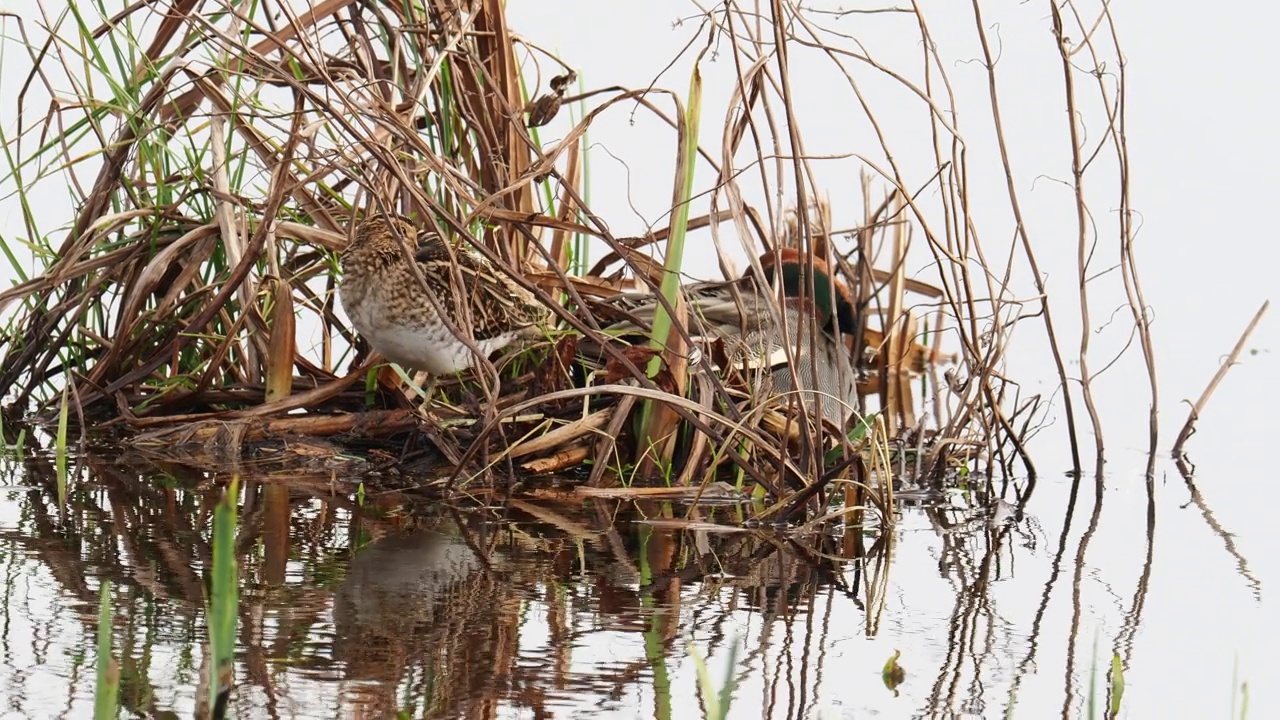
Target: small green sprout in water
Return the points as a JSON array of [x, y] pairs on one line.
[[892, 673], [1117, 684], [60, 459], [107, 688], [1240, 689], [716, 700], [360, 495]]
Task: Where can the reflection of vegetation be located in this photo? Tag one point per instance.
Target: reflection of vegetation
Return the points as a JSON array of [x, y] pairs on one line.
[[716, 697], [221, 612], [402, 606], [424, 611]]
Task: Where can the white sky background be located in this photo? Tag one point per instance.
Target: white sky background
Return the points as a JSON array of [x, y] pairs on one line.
[[1205, 161]]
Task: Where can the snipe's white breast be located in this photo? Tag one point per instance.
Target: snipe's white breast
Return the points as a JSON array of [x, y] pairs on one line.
[[427, 346]]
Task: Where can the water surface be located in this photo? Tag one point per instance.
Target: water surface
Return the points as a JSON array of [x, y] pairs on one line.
[[579, 609]]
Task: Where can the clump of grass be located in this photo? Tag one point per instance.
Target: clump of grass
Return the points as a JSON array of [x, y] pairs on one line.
[[227, 166]]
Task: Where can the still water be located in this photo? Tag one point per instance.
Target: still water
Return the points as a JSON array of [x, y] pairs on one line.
[[567, 608]]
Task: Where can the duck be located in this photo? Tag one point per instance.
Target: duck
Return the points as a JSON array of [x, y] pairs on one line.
[[389, 307], [803, 356]]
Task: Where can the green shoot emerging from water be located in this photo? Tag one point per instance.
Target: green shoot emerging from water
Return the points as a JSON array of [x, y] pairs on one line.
[[224, 607], [108, 683]]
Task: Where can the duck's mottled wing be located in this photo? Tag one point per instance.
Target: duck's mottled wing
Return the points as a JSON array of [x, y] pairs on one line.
[[733, 313], [711, 304]]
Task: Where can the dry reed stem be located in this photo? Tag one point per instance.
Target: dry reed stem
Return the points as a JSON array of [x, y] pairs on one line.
[[1083, 249], [1024, 236], [589, 425], [1188, 428], [1114, 103]]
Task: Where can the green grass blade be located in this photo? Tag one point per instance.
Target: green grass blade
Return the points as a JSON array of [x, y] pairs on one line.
[[225, 603], [716, 699], [710, 698], [1117, 684], [60, 450], [730, 681], [662, 320], [1240, 689], [679, 218], [107, 690]]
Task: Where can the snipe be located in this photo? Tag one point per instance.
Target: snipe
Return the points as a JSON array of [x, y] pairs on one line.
[[389, 307], [801, 355]]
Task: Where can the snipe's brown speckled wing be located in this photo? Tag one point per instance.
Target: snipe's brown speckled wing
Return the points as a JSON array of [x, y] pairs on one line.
[[498, 305]]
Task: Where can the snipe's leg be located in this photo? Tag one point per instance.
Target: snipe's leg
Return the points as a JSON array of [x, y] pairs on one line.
[[428, 390]]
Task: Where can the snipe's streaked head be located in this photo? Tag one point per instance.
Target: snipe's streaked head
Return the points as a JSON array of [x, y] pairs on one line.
[[391, 309]]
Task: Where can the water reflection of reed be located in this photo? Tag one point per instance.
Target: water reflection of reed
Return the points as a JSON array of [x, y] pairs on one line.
[[973, 559], [393, 606]]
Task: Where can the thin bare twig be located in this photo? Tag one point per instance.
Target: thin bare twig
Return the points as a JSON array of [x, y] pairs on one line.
[[1188, 428]]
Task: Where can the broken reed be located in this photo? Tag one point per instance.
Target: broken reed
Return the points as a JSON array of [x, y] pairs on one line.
[[233, 168]]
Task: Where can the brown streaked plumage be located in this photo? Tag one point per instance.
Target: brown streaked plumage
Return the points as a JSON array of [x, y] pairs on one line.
[[390, 309], [542, 110]]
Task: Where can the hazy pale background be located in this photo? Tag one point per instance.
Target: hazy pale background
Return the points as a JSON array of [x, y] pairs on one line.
[[1205, 172]]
